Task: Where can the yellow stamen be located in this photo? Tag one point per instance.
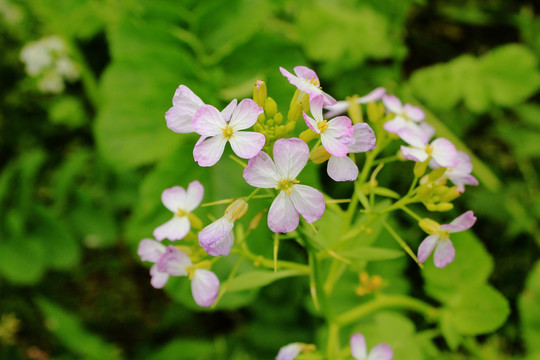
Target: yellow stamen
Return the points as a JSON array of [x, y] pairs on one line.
[[322, 126], [444, 234], [286, 185], [429, 149], [181, 212], [227, 132]]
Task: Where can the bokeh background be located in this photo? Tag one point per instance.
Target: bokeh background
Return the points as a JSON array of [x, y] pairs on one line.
[[85, 154]]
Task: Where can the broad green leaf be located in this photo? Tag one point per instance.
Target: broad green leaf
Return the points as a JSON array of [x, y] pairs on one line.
[[185, 349], [529, 113], [525, 142], [68, 329], [259, 278], [529, 310], [471, 267], [452, 337], [478, 310], [437, 85], [22, 261]]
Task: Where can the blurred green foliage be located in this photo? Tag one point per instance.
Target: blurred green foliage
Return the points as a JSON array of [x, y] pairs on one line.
[[82, 172]]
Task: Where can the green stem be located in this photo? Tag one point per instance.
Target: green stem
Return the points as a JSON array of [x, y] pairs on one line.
[[411, 213], [401, 242], [269, 263], [332, 348]]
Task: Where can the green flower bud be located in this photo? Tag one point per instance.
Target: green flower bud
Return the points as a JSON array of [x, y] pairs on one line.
[[260, 93], [436, 174], [429, 226], [278, 118], [319, 155], [270, 107]]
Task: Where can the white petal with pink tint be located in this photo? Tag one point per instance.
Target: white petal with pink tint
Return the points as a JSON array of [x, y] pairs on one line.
[[217, 238], [412, 138], [381, 352], [311, 123], [290, 157], [245, 115], [247, 144], [426, 247], [289, 352], [414, 154], [174, 198], [209, 151], [229, 109], [342, 168], [174, 262], [392, 103], [444, 152], [261, 172], [159, 279], [208, 121], [150, 250], [444, 253], [174, 229], [204, 287], [358, 346], [363, 138], [194, 196], [308, 201], [185, 105], [282, 216], [461, 223], [414, 113]]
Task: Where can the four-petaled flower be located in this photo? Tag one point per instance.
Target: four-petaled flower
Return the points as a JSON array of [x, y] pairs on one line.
[[335, 133], [290, 157], [439, 239], [170, 261], [441, 150], [406, 117], [185, 105], [307, 81], [341, 106], [181, 203], [460, 174], [359, 349], [218, 128]]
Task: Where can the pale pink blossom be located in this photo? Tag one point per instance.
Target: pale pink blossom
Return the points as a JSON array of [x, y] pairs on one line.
[[185, 105], [439, 240], [441, 150], [289, 352], [359, 349], [218, 128], [307, 81], [459, 174], [180, 202], [406, 117], [341, 106], [290, 157]]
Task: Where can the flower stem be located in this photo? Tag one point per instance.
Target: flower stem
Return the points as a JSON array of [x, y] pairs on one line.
[[401, 242]]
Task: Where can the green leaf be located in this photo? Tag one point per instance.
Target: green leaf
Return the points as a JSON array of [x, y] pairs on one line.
[[22, 261], [529, 310], [72, 334], [471, 266], [259, 278], [478, 310], [185, 349], [437, 85]]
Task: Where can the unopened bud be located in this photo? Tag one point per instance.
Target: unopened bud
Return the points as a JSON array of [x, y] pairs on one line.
[[319, 155], [308, 135], [194, 221], [236, 210], [436, 174], [270, 107], [429, 226], [255, 221], [445, 206], [375, 111], [355, 111], [278, 118], [295, 112], [258, 128], [259, 93], [420, 168], [452, 194]]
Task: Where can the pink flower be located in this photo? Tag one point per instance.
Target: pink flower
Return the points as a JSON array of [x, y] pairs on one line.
[[290, 157], [343, 168], [185, 105], [341, 106], [335, 133], [307, 81], [359, 349], [459, 174], [170, 261], [219, 128], [439, 239], [289, 352], [406, 117], [181, 203], [441, 150]]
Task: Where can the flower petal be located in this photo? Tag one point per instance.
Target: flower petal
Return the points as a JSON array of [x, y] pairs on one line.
[[375, 95], [159, 279], [414, 154], [185, 105], [414, 113], [363, 138], [261, 172], [179, 121], [444, 152], [174, 229], [217, 238], [381, 352], [358, 346], [311, 123], [412, 137], [444, 253], [303, 84], [316, 103], [392, 103], [209, 151], [194, 196], [290, 157], [338, 108], [204, 287], [174, 198], [247, 144], [229, 109], [342, 168], [245, 115], [395, 125], [289, 352], [308, 201], [282, 216], [340, 126], [208, 121], [305, 73], [174, 262], [461, 223], [426, 247], [335, 146], [150, 250]]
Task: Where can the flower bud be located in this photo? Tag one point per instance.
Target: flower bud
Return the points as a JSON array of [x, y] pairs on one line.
[[375, 111], [270, 107], [436, 174], [319, 155], [355, 111], [452, 194], [295, 112], [429, 226], [259, 93], [236, 210], [420, 168], [278, 118], [308, 135]]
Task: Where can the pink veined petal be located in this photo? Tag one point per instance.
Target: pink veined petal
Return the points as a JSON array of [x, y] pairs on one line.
[[174, 229], [463, 222], [159, 279], [412, 137], [414, 154], [444, 253], [305, 73], [308, 201], [426, 247], [375, 95], [179, 121], [392, 103], [328, 99], [194, 196], [395, 125], [363, 138], [282, 216], [381, 352], [290, 157], [150, 250], [340, 126], [209, 151], [174, 198], [204, 287], [414, 113], [245, 115], [316, 103], [338, 108], [186, 99], [289, 352], [261, 172], [358, 346], [444, 152], [229, 109], [465, 165], [311, 123], [335, 146], [208, 121], [185, 104], [303, 84], [342, 168], [217, 238], [174, 262], [247, 144]]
